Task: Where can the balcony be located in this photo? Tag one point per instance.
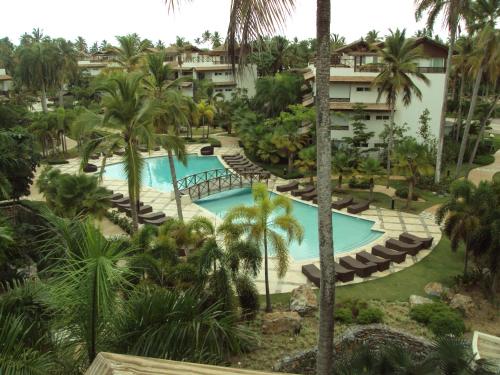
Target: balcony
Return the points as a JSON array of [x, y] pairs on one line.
[[432, 69]]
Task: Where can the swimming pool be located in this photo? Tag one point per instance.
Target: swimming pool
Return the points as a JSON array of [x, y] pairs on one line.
[[156, 172], [349, 232]]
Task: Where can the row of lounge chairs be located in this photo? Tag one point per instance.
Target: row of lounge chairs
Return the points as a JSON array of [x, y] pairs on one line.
[[365, 263], [242, 165], [309, 193], [145, 212]]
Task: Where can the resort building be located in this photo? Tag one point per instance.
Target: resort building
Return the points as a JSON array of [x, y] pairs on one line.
[[352, 73], [95, 63], [5, 82]]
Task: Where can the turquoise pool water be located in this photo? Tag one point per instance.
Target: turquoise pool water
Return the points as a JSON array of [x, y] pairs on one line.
[[348, 232], [156, 173]]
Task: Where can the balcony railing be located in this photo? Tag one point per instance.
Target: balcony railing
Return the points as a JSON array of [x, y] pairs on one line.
[[431, 69]]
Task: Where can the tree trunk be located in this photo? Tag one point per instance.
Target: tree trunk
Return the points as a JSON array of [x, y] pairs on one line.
[[390, 144], [371, 189], [340, 181], [177, 193], [269, 307], [61, 97], [409, 198], [324, 360], [442, 121], [458, 125], [468, 122], [93, 322], [43, 99], [208, 128], [290, 162], [481, 132], [466, 260]]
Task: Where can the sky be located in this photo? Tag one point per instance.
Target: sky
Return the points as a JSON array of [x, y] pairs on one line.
[[96, 20]]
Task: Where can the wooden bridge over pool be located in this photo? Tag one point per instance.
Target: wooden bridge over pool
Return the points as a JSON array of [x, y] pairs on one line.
[[203, 184]]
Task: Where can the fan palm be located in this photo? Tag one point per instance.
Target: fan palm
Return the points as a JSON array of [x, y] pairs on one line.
[[270, 223], [412, 160], [341, 165], [370, 167], [307, 162], [453, 11], [400, 58]]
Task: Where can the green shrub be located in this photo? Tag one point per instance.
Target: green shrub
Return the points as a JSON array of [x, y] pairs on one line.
[[354, 183], [343, 315], [248, 296], [423, 313], [447, 323], [124, 223], [370, 315], [402, 192], [484, 159], [214, 142]]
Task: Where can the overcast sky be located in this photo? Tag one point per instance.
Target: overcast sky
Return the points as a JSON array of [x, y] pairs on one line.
[[104, 19]]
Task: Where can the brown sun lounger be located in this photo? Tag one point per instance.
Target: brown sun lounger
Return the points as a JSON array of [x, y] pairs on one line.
[[409, 248], [95, 156], [411, 238], [288, 187], [120, 201], [306, 189], [366, 257], [309, 196], [358, 207], [150, 216], [120, 152], [232, 157], [386, 253], [343, 274], [142, 210], [342, 203], [312, 273], [123, 206], [361, 269], [156, 222], [115, 196]]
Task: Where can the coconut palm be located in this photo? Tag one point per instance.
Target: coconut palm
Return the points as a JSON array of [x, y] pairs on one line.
[[412, 160], [453, 11], [307, 162], [400, 58], [372, 37], [81, 46], [269, 223], [129, 111], [370, 167], [129, 52], [69, 65], [342, 166], [216, 39], [206, 112], [462, 214]]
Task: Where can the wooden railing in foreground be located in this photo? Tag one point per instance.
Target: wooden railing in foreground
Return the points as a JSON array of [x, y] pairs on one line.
[[120, 364]]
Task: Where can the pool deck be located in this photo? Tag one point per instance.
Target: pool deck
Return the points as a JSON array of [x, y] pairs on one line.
[[392, 223]]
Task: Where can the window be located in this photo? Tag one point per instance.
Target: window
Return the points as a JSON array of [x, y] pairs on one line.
[[218, 73], [228, 73], [340, 127], [380, 145], [218, 90], [366, 117], [363, 88], [361, 144], [382, 117], [228, 90]]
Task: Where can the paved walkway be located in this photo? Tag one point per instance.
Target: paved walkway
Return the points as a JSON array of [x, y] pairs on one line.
[[486, 172]]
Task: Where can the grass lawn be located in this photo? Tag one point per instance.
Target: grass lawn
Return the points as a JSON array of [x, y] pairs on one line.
[[496, 177], [440, 265]]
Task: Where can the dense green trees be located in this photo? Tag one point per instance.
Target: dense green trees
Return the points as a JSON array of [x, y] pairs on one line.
[[274, 94]]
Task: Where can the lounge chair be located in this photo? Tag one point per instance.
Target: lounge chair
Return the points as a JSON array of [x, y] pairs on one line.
[[150, 216], [287, 187], [232, 157], [342, 203], [304, 190], [411, 238], [358, 207], [95, 156], [156, 222], [120, 152], [409, 248], [386, 253], [366, 257], [309, 196], [240, 163], [143, 148], [361, 269], [119, 201], [312, 273], [115, 196], [142, 210], [122, 207], [343, 274]]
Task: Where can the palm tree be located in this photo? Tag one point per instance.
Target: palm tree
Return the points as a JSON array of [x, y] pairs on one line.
[[291, 141], [453, 11], [411, 159], [462, 214], [264, 223], [372, 37], [206, 112], [216, 39], [341, 165], [129, 52], [129, 111], [81, 46], [400, 59], [69, 65], [337, 41], [370, 167]]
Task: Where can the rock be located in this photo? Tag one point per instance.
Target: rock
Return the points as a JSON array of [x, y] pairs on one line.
[[435, 289], [303, 300], [279, 322], [418, 300], [463, 303]]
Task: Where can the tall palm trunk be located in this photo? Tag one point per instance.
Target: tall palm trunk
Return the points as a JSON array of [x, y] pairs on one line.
[[481, 131], [442, 121], [472, 108], [269, 307], [291, 156], [460, 104], [43, 99], [390, 143], [93, 321], [409, 198], [324, 360], [61, 96], [133, 190], [177, 193], [371, 188]]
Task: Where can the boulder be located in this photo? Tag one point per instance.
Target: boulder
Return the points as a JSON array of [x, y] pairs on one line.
[[463, 303], [279, 322], [303, 300], [435, 289], [418, 300]]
